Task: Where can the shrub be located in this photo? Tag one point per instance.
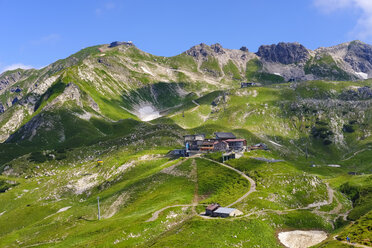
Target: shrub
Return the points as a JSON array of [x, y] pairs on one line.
[[351, 191], [4, 186], [348, 128], [37, 157], [327, 142]]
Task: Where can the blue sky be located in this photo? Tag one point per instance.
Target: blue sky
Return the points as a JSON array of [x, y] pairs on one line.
[[36, 33]]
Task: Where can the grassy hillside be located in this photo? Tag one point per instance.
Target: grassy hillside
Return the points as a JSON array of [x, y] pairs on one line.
[[89, 107]]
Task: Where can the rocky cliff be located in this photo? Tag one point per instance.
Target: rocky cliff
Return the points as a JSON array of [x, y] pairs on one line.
[[284, 53]]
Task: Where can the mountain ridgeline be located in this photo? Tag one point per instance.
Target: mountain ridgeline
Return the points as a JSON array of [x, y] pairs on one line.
[[119, 79], [127, 109]]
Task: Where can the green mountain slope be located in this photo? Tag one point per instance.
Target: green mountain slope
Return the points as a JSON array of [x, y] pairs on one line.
[[128, 108]]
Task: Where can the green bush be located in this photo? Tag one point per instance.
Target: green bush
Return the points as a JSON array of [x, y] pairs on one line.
[[61, 156], [361, 198], [351, 191], [37, 157], [4, 186], [340, 222], [348, 128]]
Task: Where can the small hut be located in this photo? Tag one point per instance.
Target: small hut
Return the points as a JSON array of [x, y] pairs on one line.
[[212, 207], [226, 212]]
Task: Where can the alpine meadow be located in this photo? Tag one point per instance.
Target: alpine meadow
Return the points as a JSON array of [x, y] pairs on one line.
[[214, 147]]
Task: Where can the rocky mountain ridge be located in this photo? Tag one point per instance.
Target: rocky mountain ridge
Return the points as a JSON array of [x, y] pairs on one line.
[[135, 82]]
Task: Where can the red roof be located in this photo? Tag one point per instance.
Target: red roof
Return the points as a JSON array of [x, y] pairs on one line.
[[235, 140]]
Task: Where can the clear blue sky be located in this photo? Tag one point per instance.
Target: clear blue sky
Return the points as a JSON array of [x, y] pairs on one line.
[[37, 33]]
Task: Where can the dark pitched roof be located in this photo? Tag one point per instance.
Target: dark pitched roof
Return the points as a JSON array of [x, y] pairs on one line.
[[213, 207], [222, 135]]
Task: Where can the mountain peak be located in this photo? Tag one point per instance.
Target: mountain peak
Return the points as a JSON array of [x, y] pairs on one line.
[[285, 53], [217, 48], [120, 43], [199, 51]]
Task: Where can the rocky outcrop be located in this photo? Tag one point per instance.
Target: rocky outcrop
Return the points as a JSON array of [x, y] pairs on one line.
[[120, 43], [217, 48], [8, 79], [42, 121], [359, 56], [362, 93], [285, 53], [71, 93], [198, 51]]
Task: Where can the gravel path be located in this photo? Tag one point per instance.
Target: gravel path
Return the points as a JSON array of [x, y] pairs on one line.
[[353, 244], [155, 215], [330, 192], [251, 181]]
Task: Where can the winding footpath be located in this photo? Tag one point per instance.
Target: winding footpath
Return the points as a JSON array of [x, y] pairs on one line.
[[251, 181], [252, 188], [352, 244], [155, 215], [315, 205]]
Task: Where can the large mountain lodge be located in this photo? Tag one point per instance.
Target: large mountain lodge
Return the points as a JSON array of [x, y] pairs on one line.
[[225, 142]]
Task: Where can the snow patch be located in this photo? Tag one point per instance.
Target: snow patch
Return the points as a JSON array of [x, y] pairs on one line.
[[334, 165], [84, 116], [148, 113], [147, 71], [272, 142], [362, 75], [63, 209], [277, 73], [301, 239], [2, 213]]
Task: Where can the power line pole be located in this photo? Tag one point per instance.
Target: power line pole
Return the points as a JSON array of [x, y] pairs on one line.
[[99, 212]]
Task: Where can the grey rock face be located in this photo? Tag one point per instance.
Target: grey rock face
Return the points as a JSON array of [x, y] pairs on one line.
[[103, 61], [16, 90], [217, 48], [10, 79], [39, 122], [120, 43], [198, 51], [359, 56], [202, 50], [285, 53], [363, 93], [2, 109], [15, 100]]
